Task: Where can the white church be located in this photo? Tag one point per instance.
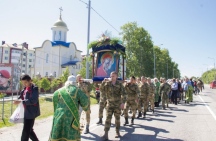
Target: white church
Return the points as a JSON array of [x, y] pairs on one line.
[[52, 58]]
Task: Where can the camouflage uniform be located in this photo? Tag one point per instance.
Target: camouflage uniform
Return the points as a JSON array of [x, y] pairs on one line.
[[132, 91], [151, 96], [143, 98], [102, 103], [164, 91], [113, 98], [86, 88]]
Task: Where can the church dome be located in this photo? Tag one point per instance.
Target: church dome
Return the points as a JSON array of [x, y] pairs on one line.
[[60, 23]]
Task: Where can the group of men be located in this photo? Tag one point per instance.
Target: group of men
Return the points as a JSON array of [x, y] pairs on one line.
[[116, 97]]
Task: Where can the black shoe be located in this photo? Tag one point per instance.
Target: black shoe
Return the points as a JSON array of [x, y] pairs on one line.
[[144, 114], [126, 121], [86, 130], [132, 121], [153, 111], [100, 121], [139, 115]]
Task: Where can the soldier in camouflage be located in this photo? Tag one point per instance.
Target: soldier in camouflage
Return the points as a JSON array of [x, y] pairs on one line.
[[114, 96], [102, 103], [143, 98], [132, 91], [86, 88], [151, 96], [163, 92]]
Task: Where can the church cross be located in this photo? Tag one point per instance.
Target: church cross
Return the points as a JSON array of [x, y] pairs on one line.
[[60, 10]]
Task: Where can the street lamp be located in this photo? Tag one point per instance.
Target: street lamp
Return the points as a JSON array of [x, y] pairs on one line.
[[154, 60], [214, 61]]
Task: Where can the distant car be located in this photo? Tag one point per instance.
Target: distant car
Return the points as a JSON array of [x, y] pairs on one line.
[[213, 85]]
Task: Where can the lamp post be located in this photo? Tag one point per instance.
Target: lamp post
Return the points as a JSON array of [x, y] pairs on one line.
[[87, 64], [154, 60]]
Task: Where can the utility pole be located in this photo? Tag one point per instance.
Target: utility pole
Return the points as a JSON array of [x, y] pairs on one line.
[[87, 64], [167, 69]]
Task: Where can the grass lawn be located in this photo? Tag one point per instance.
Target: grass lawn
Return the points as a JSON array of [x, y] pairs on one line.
[[46, 108]]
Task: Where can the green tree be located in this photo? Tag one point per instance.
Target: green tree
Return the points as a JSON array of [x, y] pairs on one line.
[[82, 71], [209, 76], [139, 50], [65, 75], [45, 84], [55, 83]]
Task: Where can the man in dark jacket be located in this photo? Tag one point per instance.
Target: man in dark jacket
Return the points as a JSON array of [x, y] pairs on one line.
[[29, 96]]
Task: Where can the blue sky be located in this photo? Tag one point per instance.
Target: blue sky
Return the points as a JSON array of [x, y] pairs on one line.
[[187, 28]]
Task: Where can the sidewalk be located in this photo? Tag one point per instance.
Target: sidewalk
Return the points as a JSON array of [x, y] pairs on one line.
[[42, 127]]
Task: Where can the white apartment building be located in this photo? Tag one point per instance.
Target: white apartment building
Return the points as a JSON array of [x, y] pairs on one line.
[[54, 56], [12, 54]]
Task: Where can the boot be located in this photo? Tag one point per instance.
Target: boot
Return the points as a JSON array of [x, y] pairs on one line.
[[144, 115], [167, 105], [100, 121], [132, 121], [153, 111], [122, 113], [139, 115], [86, 130], [126, 121], [105, 136], [117, 134], [164, 108]]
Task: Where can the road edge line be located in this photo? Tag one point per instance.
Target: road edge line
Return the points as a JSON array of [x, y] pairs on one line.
[[209, 109]]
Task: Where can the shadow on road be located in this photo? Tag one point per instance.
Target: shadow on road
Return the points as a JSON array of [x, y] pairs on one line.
[[129, 136]]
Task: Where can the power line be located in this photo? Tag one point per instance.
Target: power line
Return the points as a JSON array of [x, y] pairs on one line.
[[104, 19], [101, 16]]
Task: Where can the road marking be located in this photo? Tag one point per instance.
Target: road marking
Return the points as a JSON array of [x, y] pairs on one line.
[[212, 113]]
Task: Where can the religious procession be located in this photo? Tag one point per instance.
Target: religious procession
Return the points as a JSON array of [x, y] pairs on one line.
[[133, 97]]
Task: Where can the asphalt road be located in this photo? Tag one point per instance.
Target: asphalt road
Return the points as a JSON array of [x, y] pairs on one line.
[[183, 122]]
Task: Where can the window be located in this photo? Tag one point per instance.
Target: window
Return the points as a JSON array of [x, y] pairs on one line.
[[46, 74], [24, 59], [30, 54], [30, 60], [71, 58], [54, 74], [29, 66], [23, 65], [6, 58], [47, 57], [6, 51]]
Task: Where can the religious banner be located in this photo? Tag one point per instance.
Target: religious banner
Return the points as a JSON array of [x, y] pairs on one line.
[[107, 62]]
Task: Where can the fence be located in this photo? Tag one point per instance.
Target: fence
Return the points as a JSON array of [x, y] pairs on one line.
[[6, 106]]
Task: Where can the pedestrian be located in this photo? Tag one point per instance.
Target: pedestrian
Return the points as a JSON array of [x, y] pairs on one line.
[[66, 119], [115, 97], [29, 96], [157, 87], [102, 103], [174, 88], [188, 90], [151, 96], [86, 88], [143, 98], [164, 92], [132, 91]]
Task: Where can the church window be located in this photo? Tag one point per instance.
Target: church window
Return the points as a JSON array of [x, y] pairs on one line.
[[46, 74], [71, 58], [54, 74], [47, 57]]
